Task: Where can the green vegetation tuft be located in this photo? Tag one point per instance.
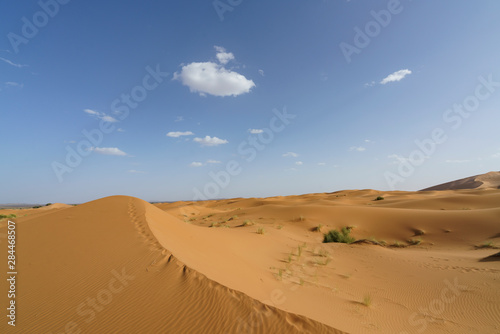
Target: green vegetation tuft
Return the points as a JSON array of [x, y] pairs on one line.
[[341, 236]]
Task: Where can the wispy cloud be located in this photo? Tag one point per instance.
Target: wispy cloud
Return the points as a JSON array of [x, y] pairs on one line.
[[120, 130], [321, 163], [100, 115], [290, 154], [210, 141], [108, 151], [133, 171], [357, 148], [255, 131], [176, 134], [196, 164], [261, 72], [299, 163], [396, 76], [214, 79], [179, 119], [14, 84], [370, 84], [12, 63], [213, 162]]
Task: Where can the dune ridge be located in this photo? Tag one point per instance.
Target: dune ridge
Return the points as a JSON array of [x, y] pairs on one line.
[[101, 270], [482, 181]]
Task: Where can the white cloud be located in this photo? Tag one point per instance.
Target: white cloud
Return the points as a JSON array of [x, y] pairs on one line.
[[214, 79], [321, 163], [11, 63], [370, 84], [261, 72], [290, 154], [299, 163], [196, 164], [396, 76], [176, 134], [368, 141], [210, 141], [357, 148], [223, 56], [255, 131], [91, 112], [457, 161], [213, 161], [108, 151], [133, 171], [120, 130], [14, 84], [100, 115]]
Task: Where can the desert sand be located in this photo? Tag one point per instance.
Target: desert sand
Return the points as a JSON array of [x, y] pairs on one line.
[[258, 265]]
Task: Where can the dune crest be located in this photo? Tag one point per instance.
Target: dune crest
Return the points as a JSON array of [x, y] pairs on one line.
[[101, 270], [483, 181]]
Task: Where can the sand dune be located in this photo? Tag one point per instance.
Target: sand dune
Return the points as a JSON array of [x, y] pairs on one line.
[[122, 265], [483, 181]]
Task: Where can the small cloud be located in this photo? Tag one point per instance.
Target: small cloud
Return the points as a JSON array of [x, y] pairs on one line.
[[223, 56], [14, 84], [91, 112], [457, 161], [133, 171], [357, 148], [179, 119], [196, 164], [261, 72], [11, 63], [370, 84], [299, 163], [176, 134], [396, 76], [210, 141], [213, 162], [108, 151], [321, 163], [120, 130], [255, 131], [101, 115], [214, 79], [107, 118], [290, 154], [368, 141]]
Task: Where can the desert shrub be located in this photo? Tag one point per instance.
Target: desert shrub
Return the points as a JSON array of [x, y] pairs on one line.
[[341, 236], [261, 230], [379, 198]]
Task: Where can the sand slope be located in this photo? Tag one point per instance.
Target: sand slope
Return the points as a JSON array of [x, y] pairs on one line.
[[122, 265], [483, 181], [97, 268]]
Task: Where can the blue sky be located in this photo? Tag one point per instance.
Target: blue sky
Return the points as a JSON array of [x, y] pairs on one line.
[[244, 98]]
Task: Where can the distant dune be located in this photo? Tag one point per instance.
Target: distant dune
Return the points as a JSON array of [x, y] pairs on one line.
[[258, 265], [483, 181]]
